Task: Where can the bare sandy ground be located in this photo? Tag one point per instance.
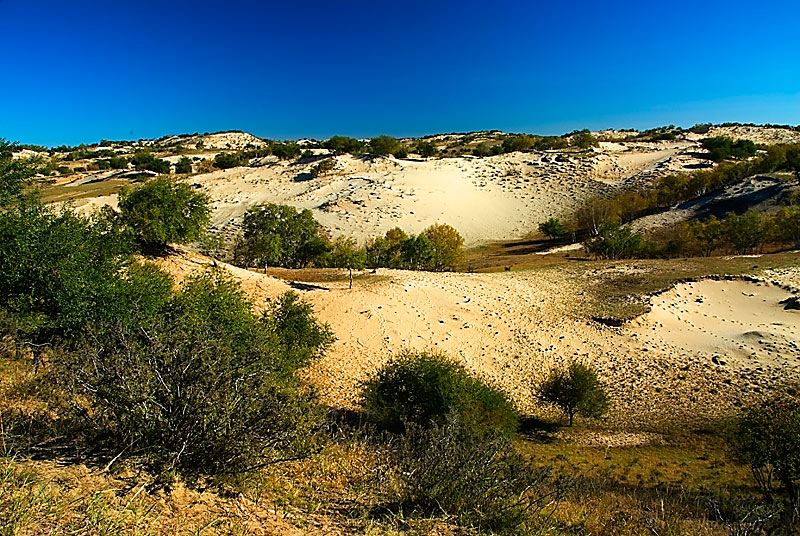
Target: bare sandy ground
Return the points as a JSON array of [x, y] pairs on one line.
[[705, 348]]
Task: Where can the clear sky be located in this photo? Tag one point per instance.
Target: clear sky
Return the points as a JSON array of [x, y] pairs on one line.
[[79, 71]]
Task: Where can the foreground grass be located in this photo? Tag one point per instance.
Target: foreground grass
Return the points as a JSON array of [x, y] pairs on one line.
[[664, 483]]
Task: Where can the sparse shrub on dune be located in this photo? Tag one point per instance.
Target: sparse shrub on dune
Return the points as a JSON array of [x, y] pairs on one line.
[[576, 390]]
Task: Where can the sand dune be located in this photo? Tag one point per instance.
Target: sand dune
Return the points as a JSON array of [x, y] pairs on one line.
[[705, 347]]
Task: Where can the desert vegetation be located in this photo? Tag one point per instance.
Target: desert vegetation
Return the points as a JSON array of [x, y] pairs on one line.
[[187, 391]]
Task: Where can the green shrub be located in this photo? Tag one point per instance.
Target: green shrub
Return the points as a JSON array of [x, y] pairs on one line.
[[58, 271], [286, 151], [426, 149], [144, 160], [615, 241], [226, 161], [553, 228], [383, 145], [424, 388], [280, 235], [343, 144], [162, 211], [477, 479], [322, 167], [15, 174], [447, 246], [203, 386], [184, 165]]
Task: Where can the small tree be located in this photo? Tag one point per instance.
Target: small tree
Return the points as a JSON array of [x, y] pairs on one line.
[[14, 174], [163, 210], [144, 160], [383, 145], [279, 234], [322, 167], [347, 254], [576, 390], [552, 228], [426, 149], [226, 160], [417, 252], [447, 245], [768, 439], [615, 241]]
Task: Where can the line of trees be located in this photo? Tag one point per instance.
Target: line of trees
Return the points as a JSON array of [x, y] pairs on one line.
[[280, 235], [734, 234]]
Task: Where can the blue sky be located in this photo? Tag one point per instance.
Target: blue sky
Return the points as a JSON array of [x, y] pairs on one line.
[[84, 70]]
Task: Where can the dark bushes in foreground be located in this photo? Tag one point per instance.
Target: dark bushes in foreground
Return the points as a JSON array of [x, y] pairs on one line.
[[199, 383], [477, 479]]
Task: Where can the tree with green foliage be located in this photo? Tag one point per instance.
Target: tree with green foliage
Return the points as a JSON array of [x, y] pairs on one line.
[[280, 235], [226, 160], [346, 254], [721, 148], [343, 144], [447, 246], [163, 211], [426, 149], [322, 167], [788, 225], [15, 174], [744, 232], [424, 388], [417, 252], [183, 165], [58, 271], [517, 142], [386, 251], [383, 145], [286, 151], [576, 390], [768, 439], [145, 161], [553, 228], [583, 139]]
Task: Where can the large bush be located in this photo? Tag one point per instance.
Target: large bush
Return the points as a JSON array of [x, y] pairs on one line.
[[280, 235], [144, 160], [58, 271], [14, 174], [424, 388], [383, 145], [201, 386], [163, 211]]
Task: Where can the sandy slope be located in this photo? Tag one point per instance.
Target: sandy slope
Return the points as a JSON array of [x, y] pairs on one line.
[[486, 199], [687, 358], [491, 198]]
